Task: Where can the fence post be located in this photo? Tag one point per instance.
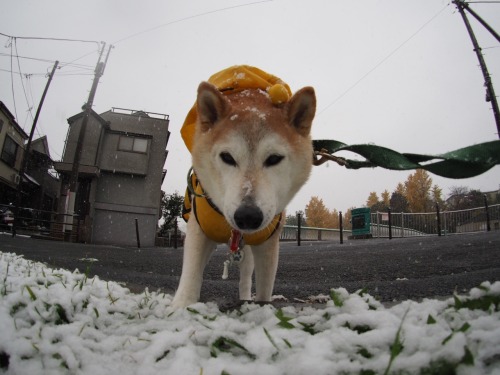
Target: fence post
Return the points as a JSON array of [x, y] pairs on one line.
[[402, 224], [299, 218], [390, 222], [488, 225], [444, 223], [378, 225], [137, 233], [176, 233], [438, 219], [77, 239], [341, 227]]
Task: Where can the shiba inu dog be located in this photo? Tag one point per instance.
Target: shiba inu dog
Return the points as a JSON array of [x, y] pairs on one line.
[[251, 152]]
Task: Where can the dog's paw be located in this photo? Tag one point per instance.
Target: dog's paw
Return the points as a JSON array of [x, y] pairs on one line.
[[181, 302]]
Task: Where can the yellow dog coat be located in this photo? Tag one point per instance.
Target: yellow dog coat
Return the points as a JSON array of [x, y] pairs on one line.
[[212, 221], [209, 217]]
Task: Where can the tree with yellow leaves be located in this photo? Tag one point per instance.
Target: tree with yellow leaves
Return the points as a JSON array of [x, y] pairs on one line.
[[386, 198], [334, 219], [418, 191], [346, 219], [317, 215], [372, 199], [437, 196]]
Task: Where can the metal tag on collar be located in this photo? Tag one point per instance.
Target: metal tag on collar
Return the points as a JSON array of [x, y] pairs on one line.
[[234, 258], [236, 253]]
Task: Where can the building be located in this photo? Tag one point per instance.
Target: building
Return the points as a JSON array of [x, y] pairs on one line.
[[493, 197], [12, 138], [120, 176], [41, 178], [472, 199]]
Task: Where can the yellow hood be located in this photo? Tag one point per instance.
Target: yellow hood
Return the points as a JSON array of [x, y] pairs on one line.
[[238, 78]]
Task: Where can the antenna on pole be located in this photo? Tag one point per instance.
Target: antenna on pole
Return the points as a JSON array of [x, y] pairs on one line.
[[490, 92]]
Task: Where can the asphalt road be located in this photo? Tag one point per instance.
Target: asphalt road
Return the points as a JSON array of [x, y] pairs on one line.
[[391, 270]]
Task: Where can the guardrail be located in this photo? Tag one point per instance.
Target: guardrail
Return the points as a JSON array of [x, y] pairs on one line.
[[291, 233]]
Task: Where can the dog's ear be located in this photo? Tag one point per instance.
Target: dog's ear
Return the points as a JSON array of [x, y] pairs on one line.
[[301, 109], [211, 104]]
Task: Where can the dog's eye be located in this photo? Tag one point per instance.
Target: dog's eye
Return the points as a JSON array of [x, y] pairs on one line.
[[228, 159], [273, 159]]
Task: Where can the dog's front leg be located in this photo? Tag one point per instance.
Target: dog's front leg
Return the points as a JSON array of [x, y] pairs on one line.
[[197, 251], [246, 272], [266, 264]]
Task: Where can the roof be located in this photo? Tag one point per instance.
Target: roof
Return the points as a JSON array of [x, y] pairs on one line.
[[41, 145], [94, 114], [12, 119]]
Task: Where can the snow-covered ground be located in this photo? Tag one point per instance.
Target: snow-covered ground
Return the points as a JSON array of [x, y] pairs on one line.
[[56, 321]]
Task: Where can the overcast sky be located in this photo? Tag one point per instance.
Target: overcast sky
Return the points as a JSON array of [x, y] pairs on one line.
[[397, 73]]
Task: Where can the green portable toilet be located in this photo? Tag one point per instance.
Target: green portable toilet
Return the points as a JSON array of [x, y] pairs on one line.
[[361, 221]]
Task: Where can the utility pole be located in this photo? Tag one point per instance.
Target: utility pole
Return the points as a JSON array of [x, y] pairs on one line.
[[481, 21], [490, 92], [87, 110], [26, 153]]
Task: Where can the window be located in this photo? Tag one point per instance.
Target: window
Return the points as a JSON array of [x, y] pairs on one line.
[[140, 145], [1, 125], [9, 151], [133, 144]]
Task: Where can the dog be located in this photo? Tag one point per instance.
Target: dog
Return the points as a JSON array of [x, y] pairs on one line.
[[251, 152]]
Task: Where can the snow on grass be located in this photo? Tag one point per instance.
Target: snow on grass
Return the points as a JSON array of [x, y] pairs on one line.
[[56, 321]]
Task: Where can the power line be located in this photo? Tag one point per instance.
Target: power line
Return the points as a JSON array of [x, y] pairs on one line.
[[30, 89], [49, 39], [59, 74], [13, 40], [79, 58], [82, 66], [171, 23], [57, 40], [12, 82], [22, 84], [189, 18], [40, 127], [382, 61]]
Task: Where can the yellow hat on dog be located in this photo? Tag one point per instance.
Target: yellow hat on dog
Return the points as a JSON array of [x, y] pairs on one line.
[[234, 79]]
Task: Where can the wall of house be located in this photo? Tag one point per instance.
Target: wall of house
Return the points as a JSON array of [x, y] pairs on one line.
[[129, 186], [91, 140], [115, 224], [7, 181], [156, 131], [121, 161]]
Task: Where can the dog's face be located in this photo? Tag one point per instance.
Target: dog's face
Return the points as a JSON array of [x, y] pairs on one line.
[[252, 156]]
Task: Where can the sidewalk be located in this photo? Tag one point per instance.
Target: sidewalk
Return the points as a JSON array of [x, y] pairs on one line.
[[392, 270]]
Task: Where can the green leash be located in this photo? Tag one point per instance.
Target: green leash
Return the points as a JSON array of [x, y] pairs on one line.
[[462, 163]]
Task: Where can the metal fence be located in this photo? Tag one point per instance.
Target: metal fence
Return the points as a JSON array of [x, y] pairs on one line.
[[33, 222], [403, 224], [435, 223]]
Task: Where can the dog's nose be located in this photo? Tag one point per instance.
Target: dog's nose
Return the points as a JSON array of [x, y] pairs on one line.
[[248, 217]]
